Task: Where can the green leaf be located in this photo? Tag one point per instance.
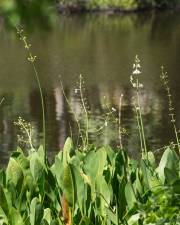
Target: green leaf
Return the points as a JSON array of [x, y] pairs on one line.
[[14, 173], [41, 154], [130, 195], [151, 159], [176, 186], [16, 217], [47, 215], [36, 166], [85, 221], [59, 171], [36, 212], [3, 217], [2, 177], [3, 201], [44, 222], [111, 216], [134, 219], [169, 160], [121, 198], [94, 165], [80, 188], [68, 185], [67, 150], [103, 191], [56, 222]]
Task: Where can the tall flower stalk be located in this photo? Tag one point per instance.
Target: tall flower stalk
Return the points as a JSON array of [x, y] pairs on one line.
[[32, 58], [134, 78], [165, 81]]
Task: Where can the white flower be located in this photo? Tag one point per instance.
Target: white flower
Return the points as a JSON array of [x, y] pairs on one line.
[[113, 109], [136, 72]]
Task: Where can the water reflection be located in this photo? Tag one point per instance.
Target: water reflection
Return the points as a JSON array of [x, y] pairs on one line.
[[102, 48]]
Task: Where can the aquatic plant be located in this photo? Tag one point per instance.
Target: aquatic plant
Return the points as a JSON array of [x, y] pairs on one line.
[[32, 58], [165, 81], [99, 186], [87, 123], [88, 185], [134, 79]]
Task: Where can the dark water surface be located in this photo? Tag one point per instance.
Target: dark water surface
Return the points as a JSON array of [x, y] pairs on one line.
[[102, 49]]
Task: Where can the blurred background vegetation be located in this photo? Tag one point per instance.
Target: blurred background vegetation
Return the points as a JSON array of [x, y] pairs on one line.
[[43, 12], [121, 4], [27, 11]]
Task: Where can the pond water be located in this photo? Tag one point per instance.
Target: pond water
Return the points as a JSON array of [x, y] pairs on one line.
[[101, 48]]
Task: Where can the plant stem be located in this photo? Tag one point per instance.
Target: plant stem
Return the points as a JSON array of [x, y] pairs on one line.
[[42, 106], [119, 122], [85, 111], [140, 118]]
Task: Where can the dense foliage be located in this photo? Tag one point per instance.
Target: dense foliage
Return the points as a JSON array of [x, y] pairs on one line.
[[96, 186], [29, 12], [42, 12], [122, 4]]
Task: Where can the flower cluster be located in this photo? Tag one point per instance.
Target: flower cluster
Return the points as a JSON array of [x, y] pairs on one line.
[[26, 132], [136, 71], [164, 78], [27, 46]]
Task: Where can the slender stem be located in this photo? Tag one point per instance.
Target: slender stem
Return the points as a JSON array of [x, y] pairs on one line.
[[140, 118], [85, 110], [119, 122], [1, 100], [75, 117], [31, 59], [164, 78], [177, 138], [42, 106], [139, 127]]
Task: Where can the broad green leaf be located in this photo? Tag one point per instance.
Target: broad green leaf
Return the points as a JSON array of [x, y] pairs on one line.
[[56, 222], [85, 221], [36, 212], [130, 195], [14, 173], [111, 216], [110, 154], [59, 171], [102, 160], [169, 160], [41, 154], [44, 222], [151, 159], [67, 150], [121, 198], [68, 185], [16, 217], [94, 164], [80, 188], [47, 215], [36, 166], [134, 219], [3, 217], [3, 201], [103, 192], [176, 186]]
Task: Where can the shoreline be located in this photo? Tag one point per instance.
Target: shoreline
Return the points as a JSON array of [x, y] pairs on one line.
[[78, 9]]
